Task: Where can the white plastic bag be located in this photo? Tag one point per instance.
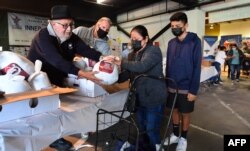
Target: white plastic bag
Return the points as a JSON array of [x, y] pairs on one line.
[[15, 64], [39, 80], [13, 84], [107, 72]]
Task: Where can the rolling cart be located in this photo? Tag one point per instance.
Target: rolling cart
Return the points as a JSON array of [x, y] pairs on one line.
[[117, 130]]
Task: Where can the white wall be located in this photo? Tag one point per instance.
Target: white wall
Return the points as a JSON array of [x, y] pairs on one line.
[[227, 10], [229, 14], [154, 24], [234, 28], [147, 11], [224, 5]]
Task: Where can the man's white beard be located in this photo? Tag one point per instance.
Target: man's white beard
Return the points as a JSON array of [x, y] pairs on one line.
[[64, 38]]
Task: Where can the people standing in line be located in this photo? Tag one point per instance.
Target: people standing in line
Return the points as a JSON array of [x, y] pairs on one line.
[[96, 36], [219, 60], [56, 46], [150, 93], [226, 64], [184, 55], [246, 61], [235, 56]]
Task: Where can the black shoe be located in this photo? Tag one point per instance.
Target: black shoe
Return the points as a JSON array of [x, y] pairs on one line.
[[61, 145], [216, 83]]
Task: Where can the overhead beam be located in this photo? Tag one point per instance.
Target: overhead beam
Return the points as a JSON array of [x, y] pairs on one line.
[[160, 32], [119, 28]]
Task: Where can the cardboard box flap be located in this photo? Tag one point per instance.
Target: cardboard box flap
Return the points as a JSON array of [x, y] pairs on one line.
[[8, 98]]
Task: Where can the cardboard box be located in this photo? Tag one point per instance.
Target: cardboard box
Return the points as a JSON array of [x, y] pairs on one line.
[[15, 110], [19, 105], [45, 104], [85, 87], [206, 63]]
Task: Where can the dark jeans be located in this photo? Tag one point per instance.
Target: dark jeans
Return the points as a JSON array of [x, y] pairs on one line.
[[235, 68], [218, 68], [246, 66], [149, 120]]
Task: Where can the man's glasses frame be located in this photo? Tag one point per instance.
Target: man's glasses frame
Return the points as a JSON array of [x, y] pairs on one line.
[[66, 26]]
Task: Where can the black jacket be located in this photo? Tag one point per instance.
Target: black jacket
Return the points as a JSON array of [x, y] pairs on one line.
[[150, 92], [57, 58]]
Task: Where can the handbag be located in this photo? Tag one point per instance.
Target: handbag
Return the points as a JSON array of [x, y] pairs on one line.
[[131, 102]]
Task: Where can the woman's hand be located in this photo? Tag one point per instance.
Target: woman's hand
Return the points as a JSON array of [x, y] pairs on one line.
[[109, 58], [112, 59], [89, 75]]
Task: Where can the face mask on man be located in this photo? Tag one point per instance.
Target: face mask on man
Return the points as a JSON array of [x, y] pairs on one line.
[[136, 45], [177, 31], [101, 33], [234, 48], [129, 47]]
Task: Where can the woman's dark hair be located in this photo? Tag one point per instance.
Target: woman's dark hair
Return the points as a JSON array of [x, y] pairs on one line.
[[142, 30], [234, 45], [179, 16], [222, 48]]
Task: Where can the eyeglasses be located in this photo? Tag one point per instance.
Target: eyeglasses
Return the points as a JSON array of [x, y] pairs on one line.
[[65, 26]]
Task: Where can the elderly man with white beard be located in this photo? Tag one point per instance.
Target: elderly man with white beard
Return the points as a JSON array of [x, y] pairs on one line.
[[56, 46]]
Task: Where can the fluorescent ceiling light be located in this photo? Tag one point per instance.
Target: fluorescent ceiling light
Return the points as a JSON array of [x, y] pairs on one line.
[[100, 1]]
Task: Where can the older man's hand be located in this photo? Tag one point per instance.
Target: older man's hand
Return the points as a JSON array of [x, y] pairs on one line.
[[89, 75]]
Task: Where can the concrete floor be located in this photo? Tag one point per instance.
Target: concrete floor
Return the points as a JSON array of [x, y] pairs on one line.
[[220, 110]]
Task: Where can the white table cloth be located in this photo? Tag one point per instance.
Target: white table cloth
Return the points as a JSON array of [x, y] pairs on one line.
[[76, 115], [207, 72]]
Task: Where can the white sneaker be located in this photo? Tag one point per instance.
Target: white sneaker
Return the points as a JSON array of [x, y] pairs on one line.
[[182, 144], [173, 139], [157, 147]]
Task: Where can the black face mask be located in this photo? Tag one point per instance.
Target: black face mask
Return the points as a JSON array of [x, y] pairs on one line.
[[101, 33], [177, 31], [136, 45]]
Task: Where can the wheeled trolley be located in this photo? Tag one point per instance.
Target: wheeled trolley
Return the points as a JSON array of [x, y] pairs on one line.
[[118, 130]]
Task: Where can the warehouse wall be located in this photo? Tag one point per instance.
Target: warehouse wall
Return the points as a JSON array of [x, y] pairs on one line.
[[154, 24]]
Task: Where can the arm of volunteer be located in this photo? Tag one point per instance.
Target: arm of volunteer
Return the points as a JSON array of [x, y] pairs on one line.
[[79, 31], [89, 76], [85, 50], [50, 53], [103, 47]]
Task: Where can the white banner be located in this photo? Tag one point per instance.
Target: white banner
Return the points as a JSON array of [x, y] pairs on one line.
[[22, 28]]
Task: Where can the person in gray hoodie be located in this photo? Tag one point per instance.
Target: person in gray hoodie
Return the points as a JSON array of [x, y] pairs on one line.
[[96, 36]]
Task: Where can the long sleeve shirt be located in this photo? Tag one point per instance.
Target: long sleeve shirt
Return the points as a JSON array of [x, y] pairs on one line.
[[184, 63], [57, 57]]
